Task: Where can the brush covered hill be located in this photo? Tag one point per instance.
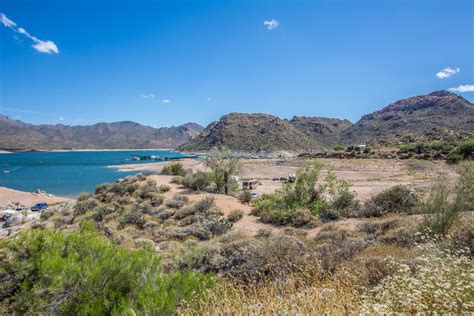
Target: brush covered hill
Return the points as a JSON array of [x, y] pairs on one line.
[[327, 131], [440, 115], [17, 135], [252, 132]]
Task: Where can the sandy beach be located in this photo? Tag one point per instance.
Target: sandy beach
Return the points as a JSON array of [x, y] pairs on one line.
[[27, 199]]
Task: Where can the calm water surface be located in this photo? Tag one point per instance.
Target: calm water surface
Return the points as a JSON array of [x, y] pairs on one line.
[[66, 173]]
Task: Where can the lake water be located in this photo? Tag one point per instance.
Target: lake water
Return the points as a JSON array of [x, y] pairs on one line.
[[67, 173]]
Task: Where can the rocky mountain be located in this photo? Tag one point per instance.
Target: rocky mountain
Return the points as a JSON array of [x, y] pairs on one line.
[[266, 132], [326, 131], [17, 135], [440, 115]]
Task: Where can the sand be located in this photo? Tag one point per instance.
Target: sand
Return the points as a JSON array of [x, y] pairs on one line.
[[368, 176], [26, 199]]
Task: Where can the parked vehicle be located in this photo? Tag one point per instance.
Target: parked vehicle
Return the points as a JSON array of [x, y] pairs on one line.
[[255, 195], [39, 207]]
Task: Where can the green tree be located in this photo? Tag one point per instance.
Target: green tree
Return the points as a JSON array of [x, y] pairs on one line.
[[223, 164]]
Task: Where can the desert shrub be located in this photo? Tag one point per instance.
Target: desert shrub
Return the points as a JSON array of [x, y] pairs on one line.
[[335, 245], [437, 281], [134, 218], [204, 205], [263, 233], [339, 148], [101, 189], [176, 202], [198, 181], [52, 273], [83, 206], [174, 169], [184, 212], [441, 212], [235, 216], [465, 150], [83, 197], [164, 188], [245, 197], [46, 214], [328, 199], [396, 199]]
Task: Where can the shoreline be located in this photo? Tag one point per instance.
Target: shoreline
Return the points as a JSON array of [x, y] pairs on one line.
[[28, 199]]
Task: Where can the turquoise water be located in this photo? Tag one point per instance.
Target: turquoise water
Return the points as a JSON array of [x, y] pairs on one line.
[[66, 173]]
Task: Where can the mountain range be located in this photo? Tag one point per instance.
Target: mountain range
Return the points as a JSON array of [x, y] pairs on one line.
[[440, 115], [16, 135]]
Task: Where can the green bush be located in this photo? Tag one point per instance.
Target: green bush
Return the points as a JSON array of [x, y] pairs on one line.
[[302, 203], [442, 211], [338, 148], [245, 197], [164, 188], [174, 169], [198, 181], [235, 216], [134, 218], [54, 273], [466, 148], [396, 199]]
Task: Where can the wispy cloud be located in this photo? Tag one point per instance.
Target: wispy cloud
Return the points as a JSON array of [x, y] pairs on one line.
[[463, 88], [166, 101], [272, 24], [447, 72], [46, 47], [147, 96], [209, 99], [6, 21], [61, 118]]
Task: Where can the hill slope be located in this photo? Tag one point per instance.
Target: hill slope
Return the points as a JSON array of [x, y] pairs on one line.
[[439, 115], [266, 132], [16, 135]]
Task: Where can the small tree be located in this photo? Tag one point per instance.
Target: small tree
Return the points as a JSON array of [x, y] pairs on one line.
[[224, 164]]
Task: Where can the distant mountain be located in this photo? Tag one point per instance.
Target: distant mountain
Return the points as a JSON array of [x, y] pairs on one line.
[[436, 116], [440, 115], [16, 135], [266, 132]]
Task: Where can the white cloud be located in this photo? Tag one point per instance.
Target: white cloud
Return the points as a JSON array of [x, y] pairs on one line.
[[463, 88], [447, 72], [209, 99], [61, 118], [272, 24], [46, 47], [166, 101], [6, 21], [147, 95]]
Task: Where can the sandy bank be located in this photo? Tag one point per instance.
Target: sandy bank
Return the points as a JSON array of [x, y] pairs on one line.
[[27, 199]]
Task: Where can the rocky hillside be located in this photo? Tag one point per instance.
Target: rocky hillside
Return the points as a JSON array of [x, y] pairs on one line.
[[440, 115], [16, 135], [253, 132], [325, 131]]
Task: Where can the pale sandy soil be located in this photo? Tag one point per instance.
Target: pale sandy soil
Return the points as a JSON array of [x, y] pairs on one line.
[[226, 203], [367, 176], [26, 199]]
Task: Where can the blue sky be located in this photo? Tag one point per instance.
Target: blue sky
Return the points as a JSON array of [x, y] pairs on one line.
[[165, 63]]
